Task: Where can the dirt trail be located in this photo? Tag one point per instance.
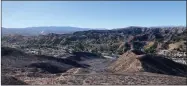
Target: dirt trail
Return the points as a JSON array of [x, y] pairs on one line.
[[143, 78]]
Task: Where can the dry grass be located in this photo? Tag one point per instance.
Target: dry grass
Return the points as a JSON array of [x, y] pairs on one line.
[[176, 45], [149, 45], [128, 62]]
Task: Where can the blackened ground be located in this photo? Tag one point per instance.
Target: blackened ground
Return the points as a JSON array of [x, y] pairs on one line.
[[159, 64], [138, 52], [97, 63], [13, 59], [82, 56], [48, 67], [8, 51]]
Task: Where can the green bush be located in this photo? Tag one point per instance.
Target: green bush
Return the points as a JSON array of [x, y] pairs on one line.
[[152, 49]]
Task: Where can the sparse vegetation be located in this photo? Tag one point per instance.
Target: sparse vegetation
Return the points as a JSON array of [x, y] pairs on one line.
[[57, 58]]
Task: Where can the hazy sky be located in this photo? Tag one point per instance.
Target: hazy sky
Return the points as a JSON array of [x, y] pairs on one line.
[[93, 14]]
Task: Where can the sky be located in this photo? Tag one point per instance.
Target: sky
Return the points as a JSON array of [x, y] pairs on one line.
[[93, 14]]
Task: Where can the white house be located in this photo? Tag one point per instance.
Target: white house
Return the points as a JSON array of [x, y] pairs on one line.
[[163, 52], [172, 53]]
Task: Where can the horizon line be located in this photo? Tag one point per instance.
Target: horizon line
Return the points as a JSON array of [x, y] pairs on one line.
[[99, 28]]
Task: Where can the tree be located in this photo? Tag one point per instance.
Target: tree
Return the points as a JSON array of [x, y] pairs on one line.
[[138, 45], [79, 47], [152, 49], [126, 47], [120, 51]]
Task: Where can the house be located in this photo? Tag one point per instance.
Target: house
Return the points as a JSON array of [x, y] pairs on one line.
[[163, 52], [33, 52], [172, 53]]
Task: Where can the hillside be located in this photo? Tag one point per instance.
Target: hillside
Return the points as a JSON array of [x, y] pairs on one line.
[[99, 41], [124, 56], [132, 61], [33, 31], [20, 68], [13, 59]]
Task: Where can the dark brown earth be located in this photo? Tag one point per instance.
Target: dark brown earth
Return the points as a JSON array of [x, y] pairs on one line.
[[20, 68]]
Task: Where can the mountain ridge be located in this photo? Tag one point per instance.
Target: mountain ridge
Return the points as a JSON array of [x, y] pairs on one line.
[[99, 40], [29, 31]]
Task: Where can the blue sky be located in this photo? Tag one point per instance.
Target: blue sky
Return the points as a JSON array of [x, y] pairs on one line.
[[93, 14]]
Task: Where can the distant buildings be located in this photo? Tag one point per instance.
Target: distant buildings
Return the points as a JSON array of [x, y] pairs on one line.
[[174, 55], [180, 60]]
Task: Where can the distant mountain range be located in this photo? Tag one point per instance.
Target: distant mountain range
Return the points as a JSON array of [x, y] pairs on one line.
[[29, 31]]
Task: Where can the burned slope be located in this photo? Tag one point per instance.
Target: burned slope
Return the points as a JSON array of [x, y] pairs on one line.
[[159, 64], [14, 59], [132, 62], [96, 63], [6, 51], [82, 56]]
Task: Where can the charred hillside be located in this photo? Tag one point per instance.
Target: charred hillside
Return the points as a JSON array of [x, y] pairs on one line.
[[135, 62], [13, 59]]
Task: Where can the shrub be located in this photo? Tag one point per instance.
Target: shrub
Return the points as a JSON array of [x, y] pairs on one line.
[[152, 49]]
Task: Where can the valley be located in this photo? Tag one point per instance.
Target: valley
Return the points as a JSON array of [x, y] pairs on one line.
[[123, 56]]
